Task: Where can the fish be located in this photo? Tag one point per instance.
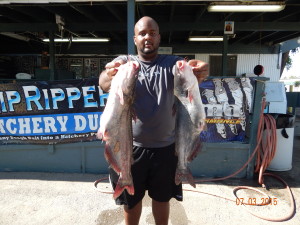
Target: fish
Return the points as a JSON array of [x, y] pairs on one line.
[[190, 120], [116, 125]]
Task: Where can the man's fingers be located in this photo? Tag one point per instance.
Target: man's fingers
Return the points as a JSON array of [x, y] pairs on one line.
[[114, 64], [200, 69], [111, 72], [193, 62], [112, 67]]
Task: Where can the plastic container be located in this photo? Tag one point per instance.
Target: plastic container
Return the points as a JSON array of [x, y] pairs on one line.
[[282, 160]]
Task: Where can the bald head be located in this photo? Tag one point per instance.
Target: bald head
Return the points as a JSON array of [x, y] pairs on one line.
[[146, 21], [146, 38]]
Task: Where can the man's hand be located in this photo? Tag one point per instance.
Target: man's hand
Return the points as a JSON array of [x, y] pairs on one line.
[[107, 75], [200, 69], [112, 68]]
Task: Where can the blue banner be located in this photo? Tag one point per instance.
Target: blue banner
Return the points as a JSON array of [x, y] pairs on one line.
[[49, 112]]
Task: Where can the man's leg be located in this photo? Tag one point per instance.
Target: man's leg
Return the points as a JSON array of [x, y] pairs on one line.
[[161, 211], [132, 216]]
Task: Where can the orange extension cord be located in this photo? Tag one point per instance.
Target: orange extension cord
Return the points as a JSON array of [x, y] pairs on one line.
[[265, 151]]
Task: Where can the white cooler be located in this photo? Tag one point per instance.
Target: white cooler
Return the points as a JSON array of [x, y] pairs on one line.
[[282, 160]]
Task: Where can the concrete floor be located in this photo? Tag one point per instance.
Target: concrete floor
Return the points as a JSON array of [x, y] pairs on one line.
[[71, 199]]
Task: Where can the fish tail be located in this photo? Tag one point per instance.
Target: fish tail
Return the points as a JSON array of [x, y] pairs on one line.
[[184, 176], [122, 185]]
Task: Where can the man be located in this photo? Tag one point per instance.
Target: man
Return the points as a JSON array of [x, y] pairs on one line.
[[153, 132]]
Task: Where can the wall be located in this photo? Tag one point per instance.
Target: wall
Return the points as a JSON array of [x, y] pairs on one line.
[[247, 62]]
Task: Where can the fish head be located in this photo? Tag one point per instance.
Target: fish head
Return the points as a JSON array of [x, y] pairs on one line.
[[130, 77], [183, 74]]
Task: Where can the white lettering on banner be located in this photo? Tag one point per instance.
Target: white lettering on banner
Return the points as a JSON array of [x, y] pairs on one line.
[[49, 99], [32, 98], [73, 97], [62, 121], [13, 97], [9, 126], [64, 136], [2, 130], [89, 97], [218, 110], [90, 122], [49, 123], [57, 95], [80, 123], [34, 125], [24, 124], [94, 121], [4, 138]]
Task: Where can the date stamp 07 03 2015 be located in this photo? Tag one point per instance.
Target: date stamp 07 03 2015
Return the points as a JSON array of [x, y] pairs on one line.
[[256, 201]]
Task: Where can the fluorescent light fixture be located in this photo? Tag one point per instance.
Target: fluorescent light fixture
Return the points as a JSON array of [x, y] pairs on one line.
[[78, 40], [205, 38], [246, 7]]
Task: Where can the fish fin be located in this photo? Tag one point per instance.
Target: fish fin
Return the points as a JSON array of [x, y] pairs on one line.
[[108, 154], [174, 109], [203, 125], [122, 185], [99, 135], [190, 96], [102, 136], [196, 149], [133, 114], [121, 96], [184, 175]]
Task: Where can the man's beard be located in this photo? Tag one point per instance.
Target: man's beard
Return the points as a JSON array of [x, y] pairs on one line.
[[148, 52]]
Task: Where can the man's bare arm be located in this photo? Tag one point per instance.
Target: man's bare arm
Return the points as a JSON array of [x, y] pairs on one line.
[[105, 81]]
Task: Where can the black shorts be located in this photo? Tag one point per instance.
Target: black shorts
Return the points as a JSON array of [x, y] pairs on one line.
[[153, 170]]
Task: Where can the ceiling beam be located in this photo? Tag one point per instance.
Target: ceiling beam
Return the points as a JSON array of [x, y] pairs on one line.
[[289, 36], [258, 15], [37, 15], [263, 37], [199, 14], [28, 27], [238, 26], [85, 13], [12, 15], [114, 12], [166, 27], [244, 37]]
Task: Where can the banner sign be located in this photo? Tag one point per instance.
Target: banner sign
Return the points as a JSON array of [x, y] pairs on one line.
[[49, 112], [227, 103]]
